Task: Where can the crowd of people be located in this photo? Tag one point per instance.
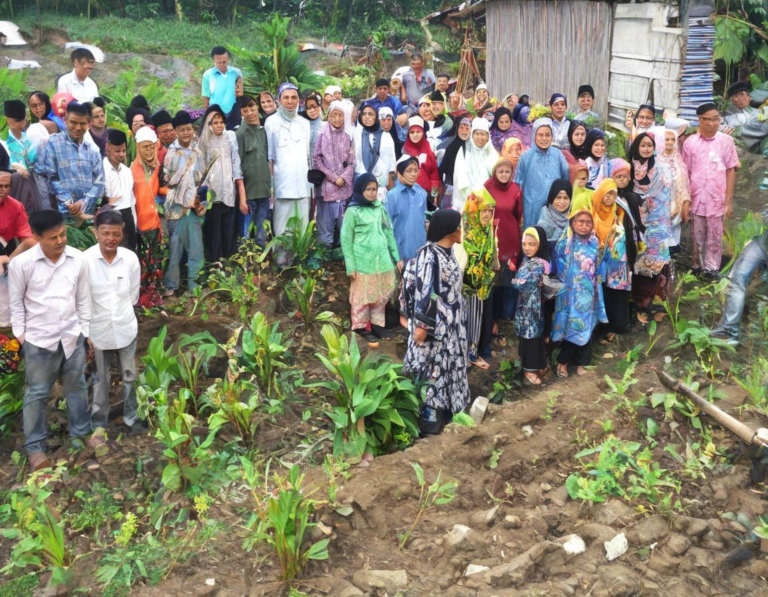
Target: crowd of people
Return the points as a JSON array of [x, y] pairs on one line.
[[470, 210]]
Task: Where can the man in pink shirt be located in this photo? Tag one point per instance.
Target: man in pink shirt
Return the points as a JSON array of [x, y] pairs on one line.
[[711, 159]]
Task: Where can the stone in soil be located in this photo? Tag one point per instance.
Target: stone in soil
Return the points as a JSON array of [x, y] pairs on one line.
[[614, 511], [650, 530], [518, 570], [390, 580]]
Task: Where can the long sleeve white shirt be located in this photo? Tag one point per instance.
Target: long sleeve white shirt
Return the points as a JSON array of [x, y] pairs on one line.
[[114, 292], [50, 302], [118, 182], [288, 150], [386, 162]]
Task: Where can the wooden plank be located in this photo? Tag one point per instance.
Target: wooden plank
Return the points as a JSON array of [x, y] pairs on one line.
[[531, 47]]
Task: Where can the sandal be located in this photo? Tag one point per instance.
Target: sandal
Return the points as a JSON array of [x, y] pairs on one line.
[[532, 378], [544, 372], [480, 363], [562, 371], [608, 339]]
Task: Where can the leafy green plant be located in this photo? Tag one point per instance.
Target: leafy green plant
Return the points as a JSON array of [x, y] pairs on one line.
[[430, 496], [81, 237], [301, 293], [194, 354], [507, 382], [618, 391], [738, 233], [374, 401], [265, 353], [146, 560], [755, 383], [653, 336], [282, 63], [11, 400], [159, 94], [676, 403], [463, 419], [287, 513], [622, 469], [160, 364], [334, 469], [225, 397], [551, 405], [297, 247], [707, 347]]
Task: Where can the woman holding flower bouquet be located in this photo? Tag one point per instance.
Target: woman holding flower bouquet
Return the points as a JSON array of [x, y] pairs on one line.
[[479, 257]]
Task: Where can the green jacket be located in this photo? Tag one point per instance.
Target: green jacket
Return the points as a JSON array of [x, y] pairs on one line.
[[367, 240], [252, 147]]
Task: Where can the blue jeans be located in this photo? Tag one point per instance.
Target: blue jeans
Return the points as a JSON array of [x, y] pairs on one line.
[[42, 368], [259, 213], [186, 234], [127, 360], [751, 258]]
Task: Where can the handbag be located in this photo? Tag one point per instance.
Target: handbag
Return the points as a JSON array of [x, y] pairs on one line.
[[315, 176]]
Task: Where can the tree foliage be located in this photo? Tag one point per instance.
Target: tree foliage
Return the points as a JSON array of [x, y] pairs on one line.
[[741, 34]]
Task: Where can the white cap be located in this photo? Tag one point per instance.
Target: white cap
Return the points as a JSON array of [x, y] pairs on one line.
[[415, 121], [145, 133]]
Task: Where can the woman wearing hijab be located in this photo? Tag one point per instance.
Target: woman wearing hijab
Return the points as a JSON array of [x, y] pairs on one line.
[[388, 125], [479, 259], [456, 147], [417, 146], [511, 151], [335, 157], [577, 148], [597, 162], [225, 185], [457, 105], [267, 104], [629, 202], [440, 126], [553, 218], [146, 189], [669, 157], [474, 166], [539, 167], [41, 110], [481, 101], [501, 129], [651, 181], [614, 267], [431, 299], [313, 112], [579, 307], [529, 314], [509, 214], [371, 258], [374, 149]]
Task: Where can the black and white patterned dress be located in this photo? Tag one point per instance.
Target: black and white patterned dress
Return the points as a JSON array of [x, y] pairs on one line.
[[440, 364]]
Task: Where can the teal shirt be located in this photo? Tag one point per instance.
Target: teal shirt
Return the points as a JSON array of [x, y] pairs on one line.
[[219, 88], [367, 240]]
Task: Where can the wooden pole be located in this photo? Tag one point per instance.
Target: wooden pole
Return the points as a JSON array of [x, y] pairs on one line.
[[744, 432]]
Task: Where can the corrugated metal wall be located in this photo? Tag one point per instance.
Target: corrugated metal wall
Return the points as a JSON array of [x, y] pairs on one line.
[[541, 46]]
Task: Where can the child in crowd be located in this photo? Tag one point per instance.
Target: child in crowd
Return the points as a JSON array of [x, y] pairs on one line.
[[529, 316], [580, 304], [370, 254], [581, 196]]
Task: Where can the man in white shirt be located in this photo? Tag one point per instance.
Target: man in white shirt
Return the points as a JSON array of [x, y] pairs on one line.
[[50, 316], [118, 185], [560, 124], [288, 151], [114, 275], [79, 82]]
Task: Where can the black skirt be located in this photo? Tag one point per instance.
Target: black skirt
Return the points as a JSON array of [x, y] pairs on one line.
[[617, 309], [533, 354]]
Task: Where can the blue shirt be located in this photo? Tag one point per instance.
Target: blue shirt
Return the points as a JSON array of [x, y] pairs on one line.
[[219, 87], [406, 207], [75, 170], [17, 148], [391, 102], [536, 171]]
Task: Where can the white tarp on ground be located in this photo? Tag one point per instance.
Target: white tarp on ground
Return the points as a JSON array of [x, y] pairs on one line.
[[97, 53], [19, 64], [11, 35]]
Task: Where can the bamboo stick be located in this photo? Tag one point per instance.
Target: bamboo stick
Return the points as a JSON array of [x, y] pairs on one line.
[[744, 432]]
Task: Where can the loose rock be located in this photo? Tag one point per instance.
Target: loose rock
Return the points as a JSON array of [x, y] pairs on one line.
[[389, 580]]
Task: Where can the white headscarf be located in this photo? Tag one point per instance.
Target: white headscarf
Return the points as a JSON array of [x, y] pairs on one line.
[[346, 107], [473, 166]]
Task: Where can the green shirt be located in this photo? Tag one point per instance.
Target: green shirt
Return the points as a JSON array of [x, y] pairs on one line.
[[367, 240], [252, 147]]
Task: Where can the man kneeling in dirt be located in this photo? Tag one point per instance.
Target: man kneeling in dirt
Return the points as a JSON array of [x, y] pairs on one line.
[[754, 255]]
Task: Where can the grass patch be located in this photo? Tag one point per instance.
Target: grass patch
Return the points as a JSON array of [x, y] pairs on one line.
[[23, 586], [192, 41]]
